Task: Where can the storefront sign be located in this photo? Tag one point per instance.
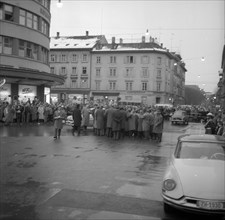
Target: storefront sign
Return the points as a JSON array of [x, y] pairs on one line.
[[27, 92]]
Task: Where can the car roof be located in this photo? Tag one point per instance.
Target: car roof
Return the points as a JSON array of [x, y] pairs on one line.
[[201, 138]]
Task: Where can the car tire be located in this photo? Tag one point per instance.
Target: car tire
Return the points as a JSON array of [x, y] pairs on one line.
[[167, 208]]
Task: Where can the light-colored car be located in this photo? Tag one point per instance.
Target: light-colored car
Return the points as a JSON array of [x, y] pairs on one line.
[[179, 117], [195, 177]]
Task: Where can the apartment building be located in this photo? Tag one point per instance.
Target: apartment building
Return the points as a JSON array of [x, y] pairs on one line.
[[70, 57], [135, 73], [24, 50], [221, 84]]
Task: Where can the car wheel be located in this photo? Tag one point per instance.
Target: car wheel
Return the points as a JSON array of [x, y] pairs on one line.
[[167, 208]]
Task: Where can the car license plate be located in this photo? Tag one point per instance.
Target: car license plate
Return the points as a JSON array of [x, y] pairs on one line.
[[210, 205]]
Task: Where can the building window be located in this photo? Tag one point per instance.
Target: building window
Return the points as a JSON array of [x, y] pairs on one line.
[[83, 83], [84, 70], [128, 72], [112, 72], [35, 51], [7, 48], [22, 18], [63, 70], [29, 20], [98, 72], [84, 58], [157, 100], [98, 59], [74, 70], [159, 74], [63, 58], [6, 12], [45, 27], [35, 22], [74, 58], [158, 86], [52, 70], [98, 85], [159, 60], [145, 59], [129, 86], [129, 59], [21, 48], [44, 55], [53, 58], [144, 72], [74, 83], [28, 50], [112, 59], [144, 86], [112, 85]]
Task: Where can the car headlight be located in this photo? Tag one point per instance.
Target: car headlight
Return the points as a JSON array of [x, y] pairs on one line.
[[169, 184]]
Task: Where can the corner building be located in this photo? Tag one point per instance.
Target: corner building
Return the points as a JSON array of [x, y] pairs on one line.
[[24, 50], [137, 73]]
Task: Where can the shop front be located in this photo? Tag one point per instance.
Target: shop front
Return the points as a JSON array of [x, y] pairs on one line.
[[27, 93], [5, 93]]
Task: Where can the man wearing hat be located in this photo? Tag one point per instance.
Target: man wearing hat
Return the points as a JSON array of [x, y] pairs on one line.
[[210, 126]]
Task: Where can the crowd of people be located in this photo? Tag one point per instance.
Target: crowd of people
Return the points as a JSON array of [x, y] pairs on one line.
[[114, 121], [117, 121]]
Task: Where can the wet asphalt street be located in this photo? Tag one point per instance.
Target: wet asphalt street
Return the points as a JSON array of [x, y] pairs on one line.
[[85, 177]]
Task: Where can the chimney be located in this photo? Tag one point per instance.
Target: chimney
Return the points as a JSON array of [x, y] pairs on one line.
[[143, 39], [162, 45], [57, 35], [87, 33], [150, 39], [113, 40], [121, 40]]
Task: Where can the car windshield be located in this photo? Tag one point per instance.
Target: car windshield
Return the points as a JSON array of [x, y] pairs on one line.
[[203, 150]]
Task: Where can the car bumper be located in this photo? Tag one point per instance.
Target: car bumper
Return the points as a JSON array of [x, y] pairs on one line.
[[190, 205]]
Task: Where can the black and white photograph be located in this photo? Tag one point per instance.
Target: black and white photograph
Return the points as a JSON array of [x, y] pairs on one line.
[[112, 109]]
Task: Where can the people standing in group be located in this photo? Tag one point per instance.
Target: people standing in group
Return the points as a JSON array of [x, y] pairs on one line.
[[108, 117], [158, 126], [100, 120], [151, 124], [131, 122], [146, 124], [140, 123], [19, 110], [116, 123], [123, 124], [85, 119], [77, 118], [59, 116], [40, 113], [9, 114]]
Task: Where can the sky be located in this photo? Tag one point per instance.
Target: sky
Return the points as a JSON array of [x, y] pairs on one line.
[[193, 28]]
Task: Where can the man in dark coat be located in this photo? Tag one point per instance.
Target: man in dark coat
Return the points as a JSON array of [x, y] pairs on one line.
[[116, 123], [77, 118]]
